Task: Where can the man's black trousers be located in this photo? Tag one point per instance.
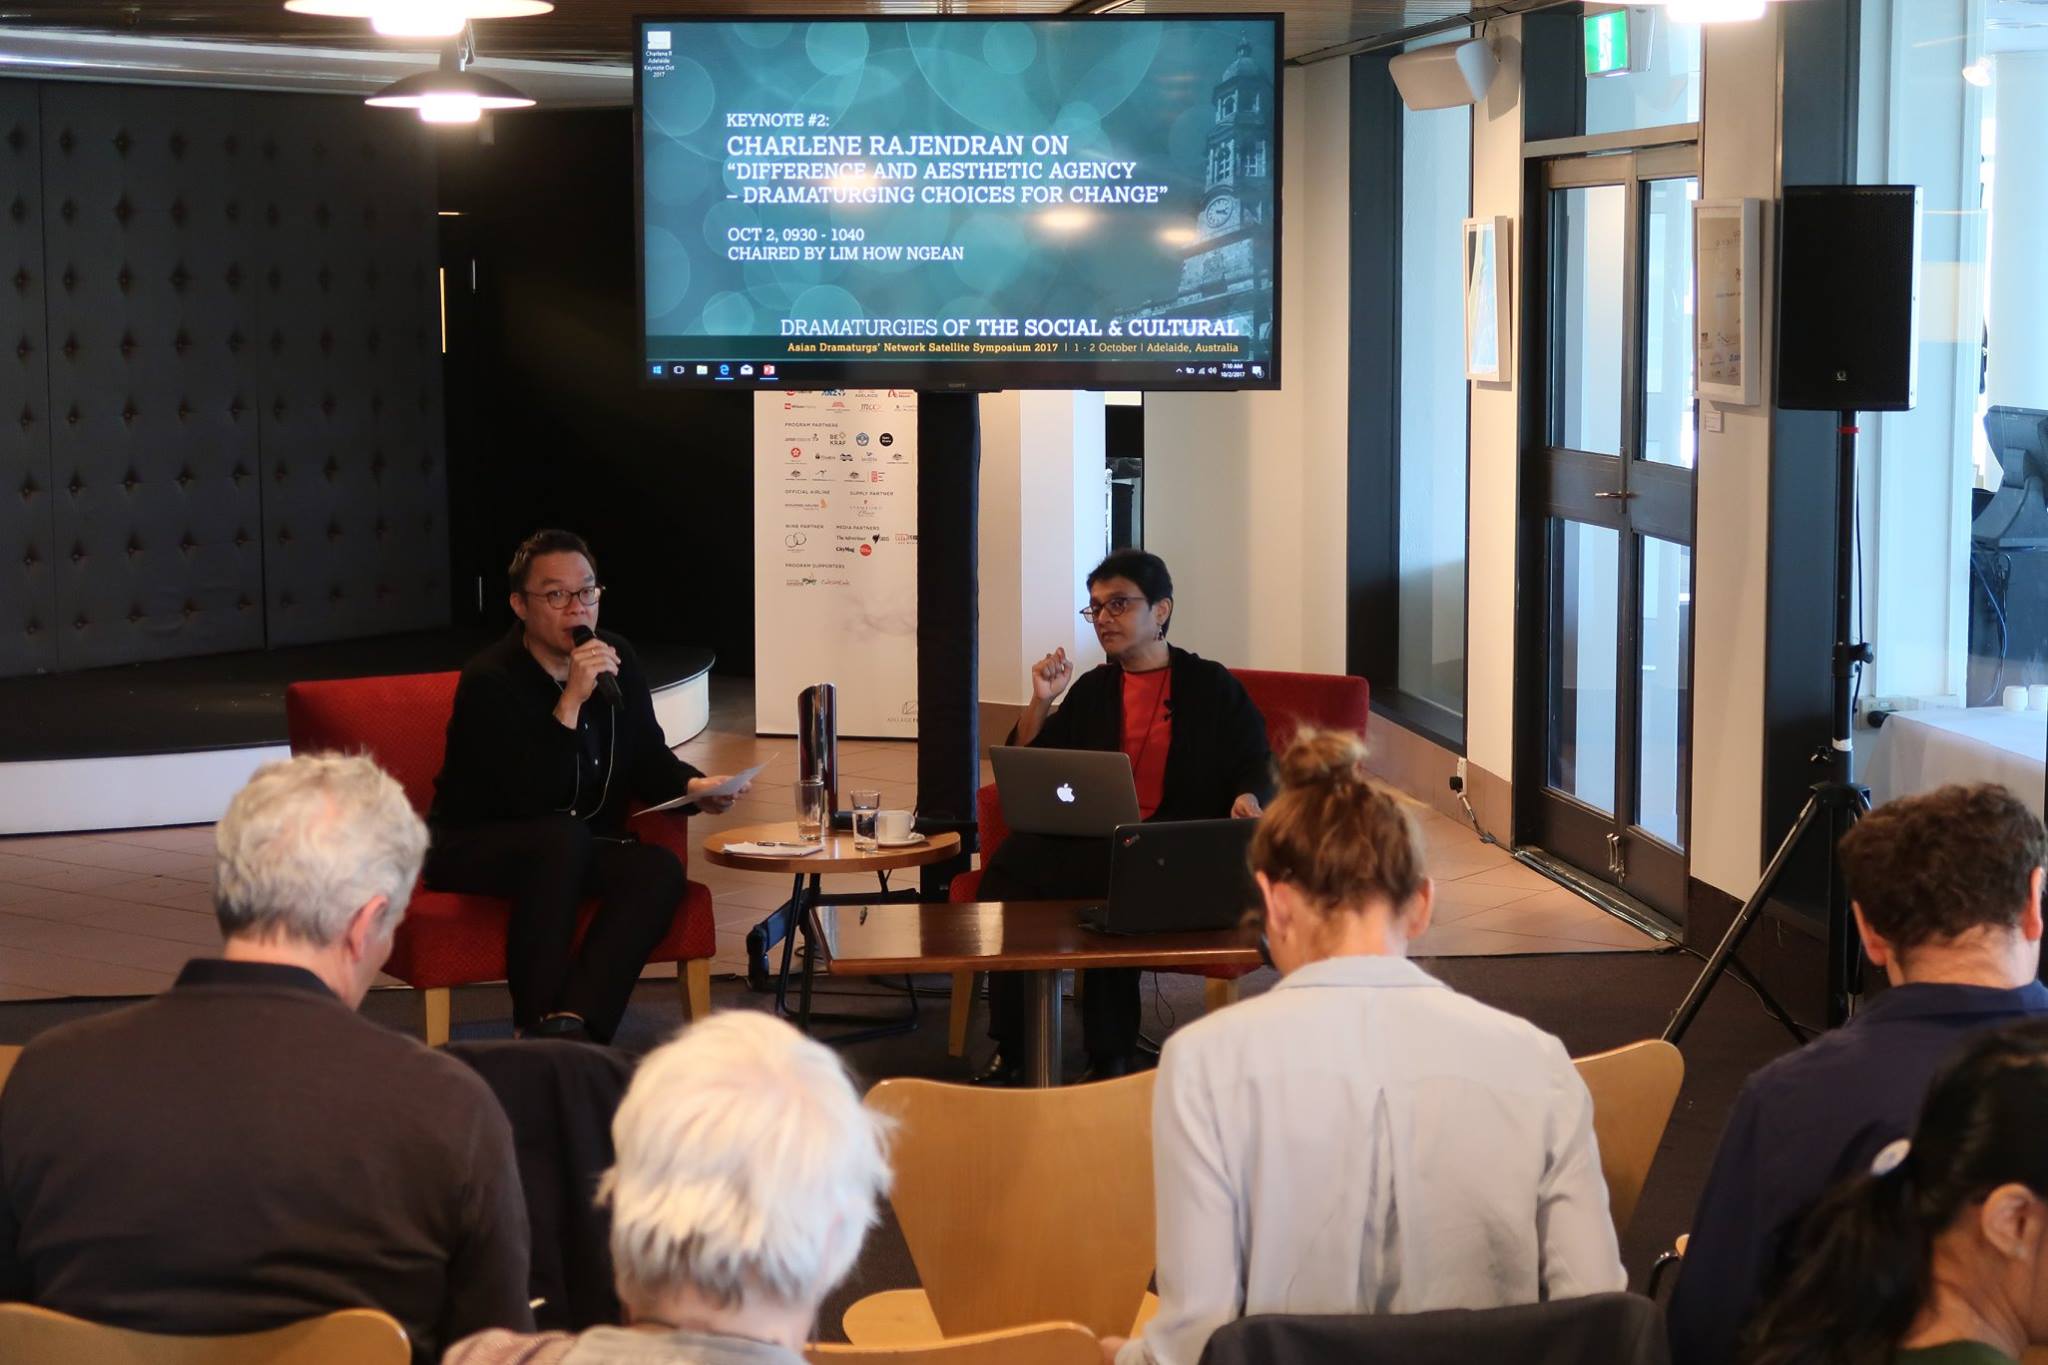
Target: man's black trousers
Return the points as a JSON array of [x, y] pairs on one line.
[[1043, 867], [546, 867]]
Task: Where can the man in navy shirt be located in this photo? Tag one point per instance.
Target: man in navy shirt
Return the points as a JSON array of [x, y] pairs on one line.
[[1946, 888]]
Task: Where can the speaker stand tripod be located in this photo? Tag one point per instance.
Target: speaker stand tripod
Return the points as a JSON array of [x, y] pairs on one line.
[[1832, 806]]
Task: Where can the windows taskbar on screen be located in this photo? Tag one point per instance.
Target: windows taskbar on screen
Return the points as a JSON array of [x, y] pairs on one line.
[[970, 363]]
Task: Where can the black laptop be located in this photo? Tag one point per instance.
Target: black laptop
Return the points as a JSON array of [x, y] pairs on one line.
[[1177, 876]]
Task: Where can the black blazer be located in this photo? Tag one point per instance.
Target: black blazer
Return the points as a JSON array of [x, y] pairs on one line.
[[1219, 747], [509, 758]]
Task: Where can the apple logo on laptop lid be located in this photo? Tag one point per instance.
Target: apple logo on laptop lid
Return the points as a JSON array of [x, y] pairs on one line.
[[1065, 792]]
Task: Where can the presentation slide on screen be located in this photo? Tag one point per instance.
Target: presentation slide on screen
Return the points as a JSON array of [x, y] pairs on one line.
[[1073, 194]]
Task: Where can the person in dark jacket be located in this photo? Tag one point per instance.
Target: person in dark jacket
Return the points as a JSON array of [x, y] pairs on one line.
[[1198, 751], [550, 739], [245, 1150], [1946, 889]]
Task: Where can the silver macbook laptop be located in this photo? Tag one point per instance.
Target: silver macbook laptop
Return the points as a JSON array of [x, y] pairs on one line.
[[1081, 792]]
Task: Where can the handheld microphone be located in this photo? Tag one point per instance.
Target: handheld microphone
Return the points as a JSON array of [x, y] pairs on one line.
[[607, 684]]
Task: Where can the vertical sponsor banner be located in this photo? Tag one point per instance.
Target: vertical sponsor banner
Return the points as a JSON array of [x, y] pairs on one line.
[[835, 557]]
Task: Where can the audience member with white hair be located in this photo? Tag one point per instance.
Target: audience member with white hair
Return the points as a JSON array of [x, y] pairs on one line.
[[245, 1150], [747, 1176]]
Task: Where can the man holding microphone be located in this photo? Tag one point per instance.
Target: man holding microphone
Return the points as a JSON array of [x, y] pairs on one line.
[[553, 733]]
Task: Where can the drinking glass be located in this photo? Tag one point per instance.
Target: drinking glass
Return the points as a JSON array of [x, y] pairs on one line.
[[865, 804], [810, 809]]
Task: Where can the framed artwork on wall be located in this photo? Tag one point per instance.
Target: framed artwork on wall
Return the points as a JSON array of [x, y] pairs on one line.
[[1726, 240], [1488, 299]]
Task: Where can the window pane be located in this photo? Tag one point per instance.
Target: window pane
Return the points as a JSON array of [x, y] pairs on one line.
[[1436, 159], [1668, 322], [1662, 85], [1592, 229], [1661, 705], [1585, 597], [1954, 98]]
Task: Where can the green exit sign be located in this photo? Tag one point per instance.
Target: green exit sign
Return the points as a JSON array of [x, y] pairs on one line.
[[1607, 43]]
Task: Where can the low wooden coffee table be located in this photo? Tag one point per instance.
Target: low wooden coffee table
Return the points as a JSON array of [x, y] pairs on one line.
[[1039, 938]]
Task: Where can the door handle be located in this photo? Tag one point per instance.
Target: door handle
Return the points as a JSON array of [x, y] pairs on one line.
[[1623, 495]]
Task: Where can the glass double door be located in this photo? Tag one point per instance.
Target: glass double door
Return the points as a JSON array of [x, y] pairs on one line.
[[1606, 716]]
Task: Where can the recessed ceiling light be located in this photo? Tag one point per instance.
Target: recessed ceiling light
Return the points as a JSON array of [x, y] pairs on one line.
[[420, 18]]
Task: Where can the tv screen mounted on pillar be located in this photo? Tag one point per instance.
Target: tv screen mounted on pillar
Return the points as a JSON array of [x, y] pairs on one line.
[[945, 203]]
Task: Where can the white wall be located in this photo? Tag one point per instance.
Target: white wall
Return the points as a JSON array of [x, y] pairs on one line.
[[1043, 527], [1739, 150], [1496, 439], [1245, 493]]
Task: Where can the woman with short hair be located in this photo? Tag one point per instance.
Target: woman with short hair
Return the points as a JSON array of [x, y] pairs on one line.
[[1939, 1254], [747, 1176], [1362, 1138]]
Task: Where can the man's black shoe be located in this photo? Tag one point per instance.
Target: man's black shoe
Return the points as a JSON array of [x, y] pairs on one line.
[[999, 1071], [760, 980], [569, 1027]]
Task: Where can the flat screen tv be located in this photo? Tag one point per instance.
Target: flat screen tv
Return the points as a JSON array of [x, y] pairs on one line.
[[944, 203]]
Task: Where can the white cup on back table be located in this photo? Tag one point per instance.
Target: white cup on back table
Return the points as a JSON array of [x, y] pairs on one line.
[[893, 826]]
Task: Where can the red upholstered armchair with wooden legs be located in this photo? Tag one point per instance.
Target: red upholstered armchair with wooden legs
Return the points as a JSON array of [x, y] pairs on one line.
[[1288, 701], [448, 939]]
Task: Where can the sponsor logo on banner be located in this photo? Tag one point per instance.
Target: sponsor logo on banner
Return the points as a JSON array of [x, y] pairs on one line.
[[887, 439], [861, 439], [866, 550], [796, 452]]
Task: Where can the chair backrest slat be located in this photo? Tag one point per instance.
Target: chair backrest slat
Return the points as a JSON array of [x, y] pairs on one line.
[[353, 1336], [1025, 1206], [1633, 1089]]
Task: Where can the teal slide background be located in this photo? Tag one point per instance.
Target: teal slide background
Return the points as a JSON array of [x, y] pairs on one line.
[[1120, 90]]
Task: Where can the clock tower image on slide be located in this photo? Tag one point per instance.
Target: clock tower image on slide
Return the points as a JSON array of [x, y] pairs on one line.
[[1227, 270]]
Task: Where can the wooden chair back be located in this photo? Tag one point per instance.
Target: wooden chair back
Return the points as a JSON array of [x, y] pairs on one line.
[[353, 1336], [1048, 1343], [1025, 1206], [1633, 1089], [9, 1054]]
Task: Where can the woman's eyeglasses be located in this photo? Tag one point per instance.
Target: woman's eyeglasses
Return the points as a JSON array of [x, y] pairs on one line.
[[1112, 607]]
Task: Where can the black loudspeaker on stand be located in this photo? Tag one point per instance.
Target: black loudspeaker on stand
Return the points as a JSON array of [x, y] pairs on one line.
[[1833, 804], [1848, 284]]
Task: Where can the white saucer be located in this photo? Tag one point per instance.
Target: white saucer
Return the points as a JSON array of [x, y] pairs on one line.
[[911, 842]]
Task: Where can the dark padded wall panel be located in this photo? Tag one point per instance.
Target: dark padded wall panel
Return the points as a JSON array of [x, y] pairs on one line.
[[228, 361], [353, 439], [28, 598], [154, 434]]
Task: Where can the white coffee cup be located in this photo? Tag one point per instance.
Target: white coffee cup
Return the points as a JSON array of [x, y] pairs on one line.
[[2014, 698], [2037, 696], [892, 826]]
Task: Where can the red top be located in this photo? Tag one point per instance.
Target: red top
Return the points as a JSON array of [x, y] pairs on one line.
[[1148, 733]]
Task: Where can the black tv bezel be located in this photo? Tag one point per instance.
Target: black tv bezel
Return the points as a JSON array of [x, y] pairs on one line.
[[958, 376]]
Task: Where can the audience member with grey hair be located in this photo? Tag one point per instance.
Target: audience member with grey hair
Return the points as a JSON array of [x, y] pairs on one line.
[[747, 1175], [244, 1150]]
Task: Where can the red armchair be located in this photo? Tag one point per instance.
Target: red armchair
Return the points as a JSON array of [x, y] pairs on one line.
[[449, 939], [1288, 701]]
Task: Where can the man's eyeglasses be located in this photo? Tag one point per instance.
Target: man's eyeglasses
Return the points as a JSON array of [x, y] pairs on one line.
[[558, 598], [1112, 607]]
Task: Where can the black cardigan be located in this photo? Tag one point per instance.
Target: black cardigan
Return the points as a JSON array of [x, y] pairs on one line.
[[1219, 747], [510, 759]]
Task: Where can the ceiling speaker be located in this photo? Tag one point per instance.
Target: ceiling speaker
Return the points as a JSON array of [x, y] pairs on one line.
[[1444, 76]]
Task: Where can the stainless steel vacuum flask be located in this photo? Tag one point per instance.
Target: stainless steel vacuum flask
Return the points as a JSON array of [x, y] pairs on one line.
[[817, 740]]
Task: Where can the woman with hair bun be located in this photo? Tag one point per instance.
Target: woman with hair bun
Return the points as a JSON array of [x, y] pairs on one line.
[[1362, 1138], [1939, 1255]]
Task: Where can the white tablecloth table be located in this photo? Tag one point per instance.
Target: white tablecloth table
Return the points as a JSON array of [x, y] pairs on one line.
[[1915, 751]]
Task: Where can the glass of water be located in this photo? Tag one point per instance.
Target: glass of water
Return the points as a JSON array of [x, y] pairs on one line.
[[810, 809], [865, 804]]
